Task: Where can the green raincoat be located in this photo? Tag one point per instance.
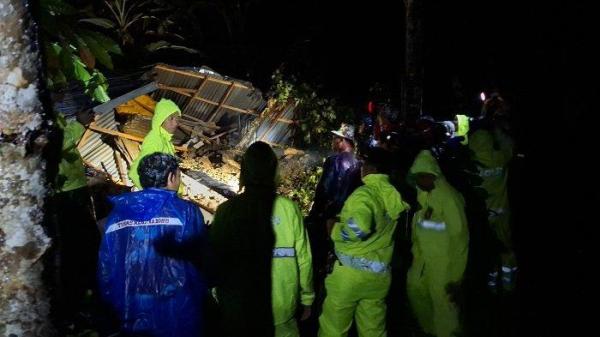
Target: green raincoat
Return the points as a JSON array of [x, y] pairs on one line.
[[440, 249], [364, 242], [291, 267], [493, 151], [158, 139]]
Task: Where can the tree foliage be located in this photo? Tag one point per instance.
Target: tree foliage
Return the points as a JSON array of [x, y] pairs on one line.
[[316, 115], [73, 50]]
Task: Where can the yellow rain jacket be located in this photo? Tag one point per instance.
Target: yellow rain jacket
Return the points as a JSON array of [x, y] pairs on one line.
[[493, 151], [367, 224], [440, 249], [292, 265], [364, 243], [158, 139]]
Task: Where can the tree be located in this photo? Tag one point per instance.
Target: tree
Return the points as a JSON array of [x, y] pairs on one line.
[[24, 305], [412, 86]]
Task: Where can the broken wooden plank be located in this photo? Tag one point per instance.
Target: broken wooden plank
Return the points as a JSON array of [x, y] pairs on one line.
[[188, 93], [201, 76], [194, 133], [147, 102], [222, 134], [127, 157], [210, 125], [133, 108], [196, 191], [122, 171], [99, 129], [113, 103], [185, 92]]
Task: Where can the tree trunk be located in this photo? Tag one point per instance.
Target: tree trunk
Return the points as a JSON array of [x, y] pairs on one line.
[[412, 86], [24, 304]]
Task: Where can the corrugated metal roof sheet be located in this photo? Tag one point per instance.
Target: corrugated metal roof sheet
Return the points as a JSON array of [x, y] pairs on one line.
[[97, 150], [270, 128], [273, 131], [209, 97]]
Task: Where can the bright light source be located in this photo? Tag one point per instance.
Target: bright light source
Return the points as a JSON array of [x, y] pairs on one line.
[[482, 96]]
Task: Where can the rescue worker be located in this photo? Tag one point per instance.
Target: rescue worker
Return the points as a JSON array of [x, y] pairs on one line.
[[164, 125], [292, 267], [242, 240], [492, 149], [150, 293], [363, 239], [75, 233], [440, 248], [340, 177]]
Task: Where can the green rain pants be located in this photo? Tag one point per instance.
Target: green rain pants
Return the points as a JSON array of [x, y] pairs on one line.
[[354, 294], [287, 329], [429, 300]]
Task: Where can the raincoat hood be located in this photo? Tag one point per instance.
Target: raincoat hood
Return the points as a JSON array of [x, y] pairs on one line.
[[392, 201], [426, 163], [146, 288], [164, 108], [259, 166], [463, 128], [142, 205]]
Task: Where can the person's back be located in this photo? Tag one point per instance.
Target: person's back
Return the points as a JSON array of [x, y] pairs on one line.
[[341, 176], [242, 239], [243, 246], [492, 149], [152, 294], [375, 243], [363, 240]]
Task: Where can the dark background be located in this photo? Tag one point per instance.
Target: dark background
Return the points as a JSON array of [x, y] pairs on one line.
[[538, 54]]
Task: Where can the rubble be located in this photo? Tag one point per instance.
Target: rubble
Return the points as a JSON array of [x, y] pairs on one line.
[[219, 118]]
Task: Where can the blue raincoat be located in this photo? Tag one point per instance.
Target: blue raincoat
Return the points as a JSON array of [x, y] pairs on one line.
[[341, 176], [152, 294]]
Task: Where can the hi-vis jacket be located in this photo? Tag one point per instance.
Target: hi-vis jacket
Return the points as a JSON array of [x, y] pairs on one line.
[[493, 150], [158, 139], [364, 237], [292, 262], [440, 232]]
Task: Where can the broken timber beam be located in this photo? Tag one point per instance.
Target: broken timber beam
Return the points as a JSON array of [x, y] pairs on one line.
[[99, 129]]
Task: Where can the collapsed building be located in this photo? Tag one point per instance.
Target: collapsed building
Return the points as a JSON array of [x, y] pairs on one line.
[[221, 116]]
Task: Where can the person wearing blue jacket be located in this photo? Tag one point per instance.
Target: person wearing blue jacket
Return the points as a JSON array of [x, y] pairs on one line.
[[340, 177], [153, 294]]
